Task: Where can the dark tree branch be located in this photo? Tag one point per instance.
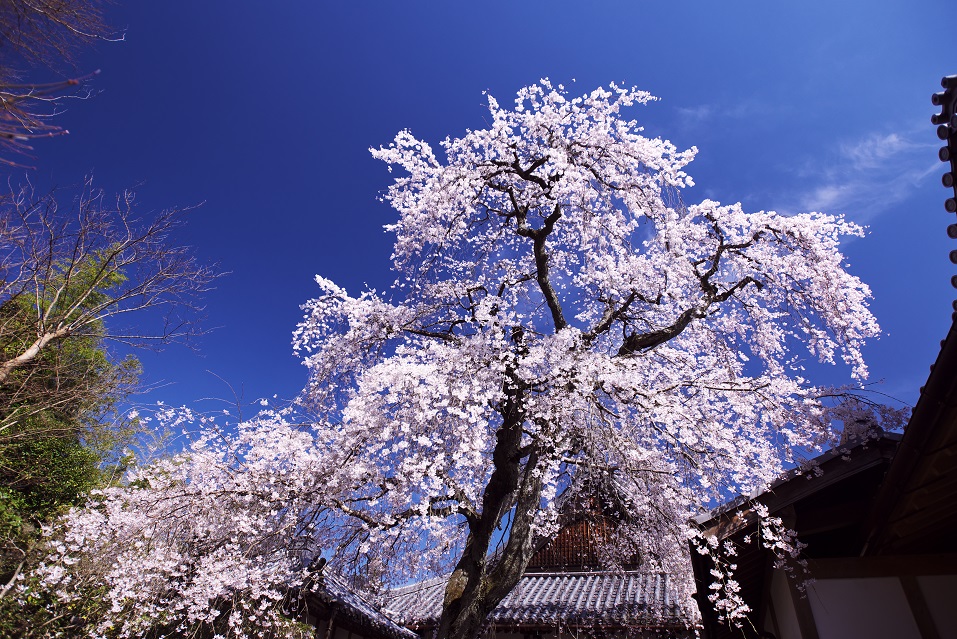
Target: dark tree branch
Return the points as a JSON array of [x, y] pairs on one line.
[[538, 237], [635, 342], [609, 316], [76, 273]]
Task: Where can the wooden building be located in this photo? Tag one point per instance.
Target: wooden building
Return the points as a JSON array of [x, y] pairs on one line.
[[337, 611], [880, 524], [564, 592]]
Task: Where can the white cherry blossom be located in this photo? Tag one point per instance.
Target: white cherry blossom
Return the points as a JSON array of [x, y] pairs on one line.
[[559, 313]]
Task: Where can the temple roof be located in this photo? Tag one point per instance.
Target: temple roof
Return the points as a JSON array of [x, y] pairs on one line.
[[628, 599], [350, 607], [563, 586], [915, 509]]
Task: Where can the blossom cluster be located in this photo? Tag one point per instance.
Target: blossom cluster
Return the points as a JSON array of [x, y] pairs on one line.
[[558, 311], [548, 264], [214, 537]]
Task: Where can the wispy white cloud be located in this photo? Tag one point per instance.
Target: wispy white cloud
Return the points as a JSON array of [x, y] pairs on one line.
[[874, 151], [695, 115], [860, 178], [706, 114], [868, 176]]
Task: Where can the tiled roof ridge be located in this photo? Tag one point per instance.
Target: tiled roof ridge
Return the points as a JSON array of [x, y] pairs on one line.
[[633, 598], [417, 586], [361, 608], [593, 572]]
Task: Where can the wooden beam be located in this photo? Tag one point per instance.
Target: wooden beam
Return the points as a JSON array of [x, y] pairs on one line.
[[802, 608], [919, 608], [883, 566]]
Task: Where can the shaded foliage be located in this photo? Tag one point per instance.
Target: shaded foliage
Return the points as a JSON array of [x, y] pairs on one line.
[[60, 434], [69, 278]]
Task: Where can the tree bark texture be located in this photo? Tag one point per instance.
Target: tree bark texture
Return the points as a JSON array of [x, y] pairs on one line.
[[480, 581]]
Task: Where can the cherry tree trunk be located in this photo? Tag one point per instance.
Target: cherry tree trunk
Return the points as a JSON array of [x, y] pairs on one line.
[[480, 582]]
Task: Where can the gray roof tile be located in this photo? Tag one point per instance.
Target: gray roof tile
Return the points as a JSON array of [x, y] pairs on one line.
[[333, 591], [612, 599]]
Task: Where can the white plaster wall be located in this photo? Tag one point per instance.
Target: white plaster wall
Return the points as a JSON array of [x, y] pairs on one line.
[[783, 608], [940, 593], [875, 608]]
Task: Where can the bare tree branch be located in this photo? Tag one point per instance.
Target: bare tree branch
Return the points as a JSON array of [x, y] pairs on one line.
[[77, 274]]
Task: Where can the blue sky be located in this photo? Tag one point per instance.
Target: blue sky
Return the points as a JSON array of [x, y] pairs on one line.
[[265, 112]]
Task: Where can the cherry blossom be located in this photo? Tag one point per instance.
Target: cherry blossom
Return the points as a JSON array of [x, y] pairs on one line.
[[559, 313], [560, 310]]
